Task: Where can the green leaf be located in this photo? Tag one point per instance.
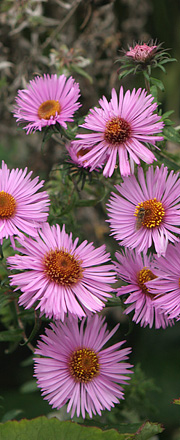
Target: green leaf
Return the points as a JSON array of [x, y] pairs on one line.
[[81, 72], [42, 428], [166, 115], [162, 68], [168, 60], [12, 414], [171, 134], [168, 162], [146, 75], [156, 82], [26, 362], [125, 73], [11, 335], [28, 387], [154, 92], [148, 430]]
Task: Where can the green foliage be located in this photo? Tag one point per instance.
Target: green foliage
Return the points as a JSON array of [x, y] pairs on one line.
[[138, 396], [43, 429], [135, 65]]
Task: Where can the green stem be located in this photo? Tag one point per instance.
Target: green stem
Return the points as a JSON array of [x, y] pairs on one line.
[[147, 85], [21, 326]]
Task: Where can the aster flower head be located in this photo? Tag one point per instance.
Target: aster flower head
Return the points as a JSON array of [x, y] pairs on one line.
[[23, 208], [166, 288], [75, 368], [76, 153], [143, 57], [136, 270], [146, 210], [119, 131], [61, 276], [142, 53], [46, 101]]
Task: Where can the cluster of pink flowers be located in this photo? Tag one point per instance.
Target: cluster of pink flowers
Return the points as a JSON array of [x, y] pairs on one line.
[[144, 215], [68, 281]]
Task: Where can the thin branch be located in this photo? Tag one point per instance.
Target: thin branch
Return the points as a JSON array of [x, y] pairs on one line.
[[62, 24], [63, 5]]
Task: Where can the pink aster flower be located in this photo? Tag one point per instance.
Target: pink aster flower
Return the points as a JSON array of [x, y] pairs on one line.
[[136, 270], [23, 208], [46, 101], [142, 52], [146, 211], [167, 285], [75, 368], [61, 275], [121, 129], [76, 153]]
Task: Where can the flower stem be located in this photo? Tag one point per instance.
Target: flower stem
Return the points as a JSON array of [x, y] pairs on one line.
[[21, 326], [147, 85]]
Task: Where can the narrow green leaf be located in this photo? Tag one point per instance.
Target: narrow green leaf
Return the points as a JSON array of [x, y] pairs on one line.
[[154, 92], [162, 68], [28, 387], [168, 60], [125, 73], [26, 362], [10, 335], [156, 82], [11, 415], [167, 114], [81, 72], [167, 161], [171, 134]]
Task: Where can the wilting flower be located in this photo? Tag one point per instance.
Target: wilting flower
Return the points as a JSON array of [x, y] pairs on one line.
[[75, 368], [62, 276], [142, 52], [23, 208], [167, 285], [46, 101], [136, 270], [121, 129], [146, 211]]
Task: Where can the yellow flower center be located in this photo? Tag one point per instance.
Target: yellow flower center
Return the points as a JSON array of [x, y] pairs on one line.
[[49, 108], [143, 276], [150, 213], [84, 365], [62, 268], [117, 131], [7, 205]]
